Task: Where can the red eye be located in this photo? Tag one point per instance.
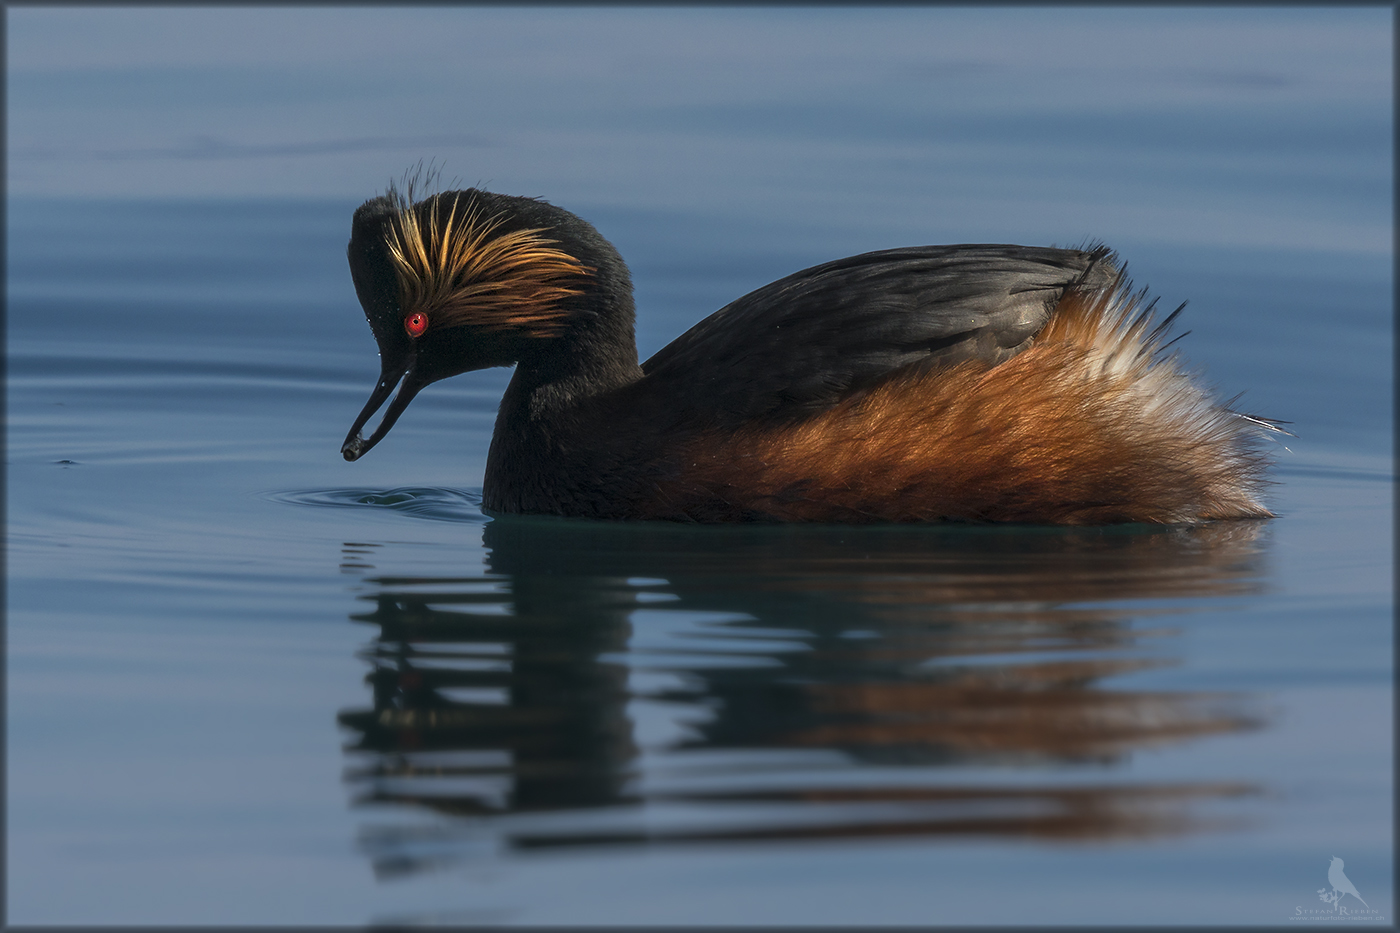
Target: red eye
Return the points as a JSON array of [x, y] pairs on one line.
[[415, 324]]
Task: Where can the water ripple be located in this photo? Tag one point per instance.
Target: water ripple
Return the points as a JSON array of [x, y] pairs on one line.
[[432, 502]]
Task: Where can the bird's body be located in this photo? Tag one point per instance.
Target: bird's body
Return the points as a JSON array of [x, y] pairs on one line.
[[974, 383]]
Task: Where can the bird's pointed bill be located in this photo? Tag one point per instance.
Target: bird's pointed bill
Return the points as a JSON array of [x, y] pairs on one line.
[[356, 446]]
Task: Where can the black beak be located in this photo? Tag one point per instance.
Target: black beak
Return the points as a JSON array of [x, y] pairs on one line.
[[356, 446]]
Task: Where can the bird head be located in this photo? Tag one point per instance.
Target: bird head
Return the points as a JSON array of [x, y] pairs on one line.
[[459, 281]]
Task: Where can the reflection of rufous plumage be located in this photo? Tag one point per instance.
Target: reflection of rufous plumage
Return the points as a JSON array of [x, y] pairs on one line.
[[888, 648]]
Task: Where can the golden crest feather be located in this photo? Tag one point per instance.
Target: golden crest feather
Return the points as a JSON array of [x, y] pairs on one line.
[[452, 265]]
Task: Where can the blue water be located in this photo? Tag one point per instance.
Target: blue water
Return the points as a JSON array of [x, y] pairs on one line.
[[251, 683]]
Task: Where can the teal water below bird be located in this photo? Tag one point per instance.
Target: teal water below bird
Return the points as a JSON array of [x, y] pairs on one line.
[[923, 384]]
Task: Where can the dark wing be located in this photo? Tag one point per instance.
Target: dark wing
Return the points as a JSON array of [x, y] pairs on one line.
[[803, 342]]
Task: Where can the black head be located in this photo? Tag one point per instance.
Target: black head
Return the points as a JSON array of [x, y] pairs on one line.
[[460, 281]]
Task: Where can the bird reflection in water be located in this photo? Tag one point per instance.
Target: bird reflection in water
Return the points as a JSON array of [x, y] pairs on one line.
[[829, 683]]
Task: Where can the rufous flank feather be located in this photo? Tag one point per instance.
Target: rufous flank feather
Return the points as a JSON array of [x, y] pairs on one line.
[[1092, 424]]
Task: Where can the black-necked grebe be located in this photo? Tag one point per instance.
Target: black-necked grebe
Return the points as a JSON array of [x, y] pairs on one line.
[[931, 383]]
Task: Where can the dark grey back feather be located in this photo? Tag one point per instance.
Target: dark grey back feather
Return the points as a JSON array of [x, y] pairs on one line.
[[802, 342]]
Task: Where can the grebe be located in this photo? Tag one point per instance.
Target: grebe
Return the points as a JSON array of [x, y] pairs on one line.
[[930, 383]]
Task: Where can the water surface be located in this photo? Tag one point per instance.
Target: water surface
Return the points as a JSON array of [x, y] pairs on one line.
[[251, 683]]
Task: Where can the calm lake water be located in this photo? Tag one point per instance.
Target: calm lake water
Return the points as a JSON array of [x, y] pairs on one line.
[[251, 683]]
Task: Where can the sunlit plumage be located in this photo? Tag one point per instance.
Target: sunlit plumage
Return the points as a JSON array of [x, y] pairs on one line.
[[967, 383]]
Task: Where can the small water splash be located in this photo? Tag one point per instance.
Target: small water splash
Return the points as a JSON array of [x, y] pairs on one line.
[[431, 502]]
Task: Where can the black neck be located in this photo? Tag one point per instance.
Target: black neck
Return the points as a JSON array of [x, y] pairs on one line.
[[596, 355], [557, 378]]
